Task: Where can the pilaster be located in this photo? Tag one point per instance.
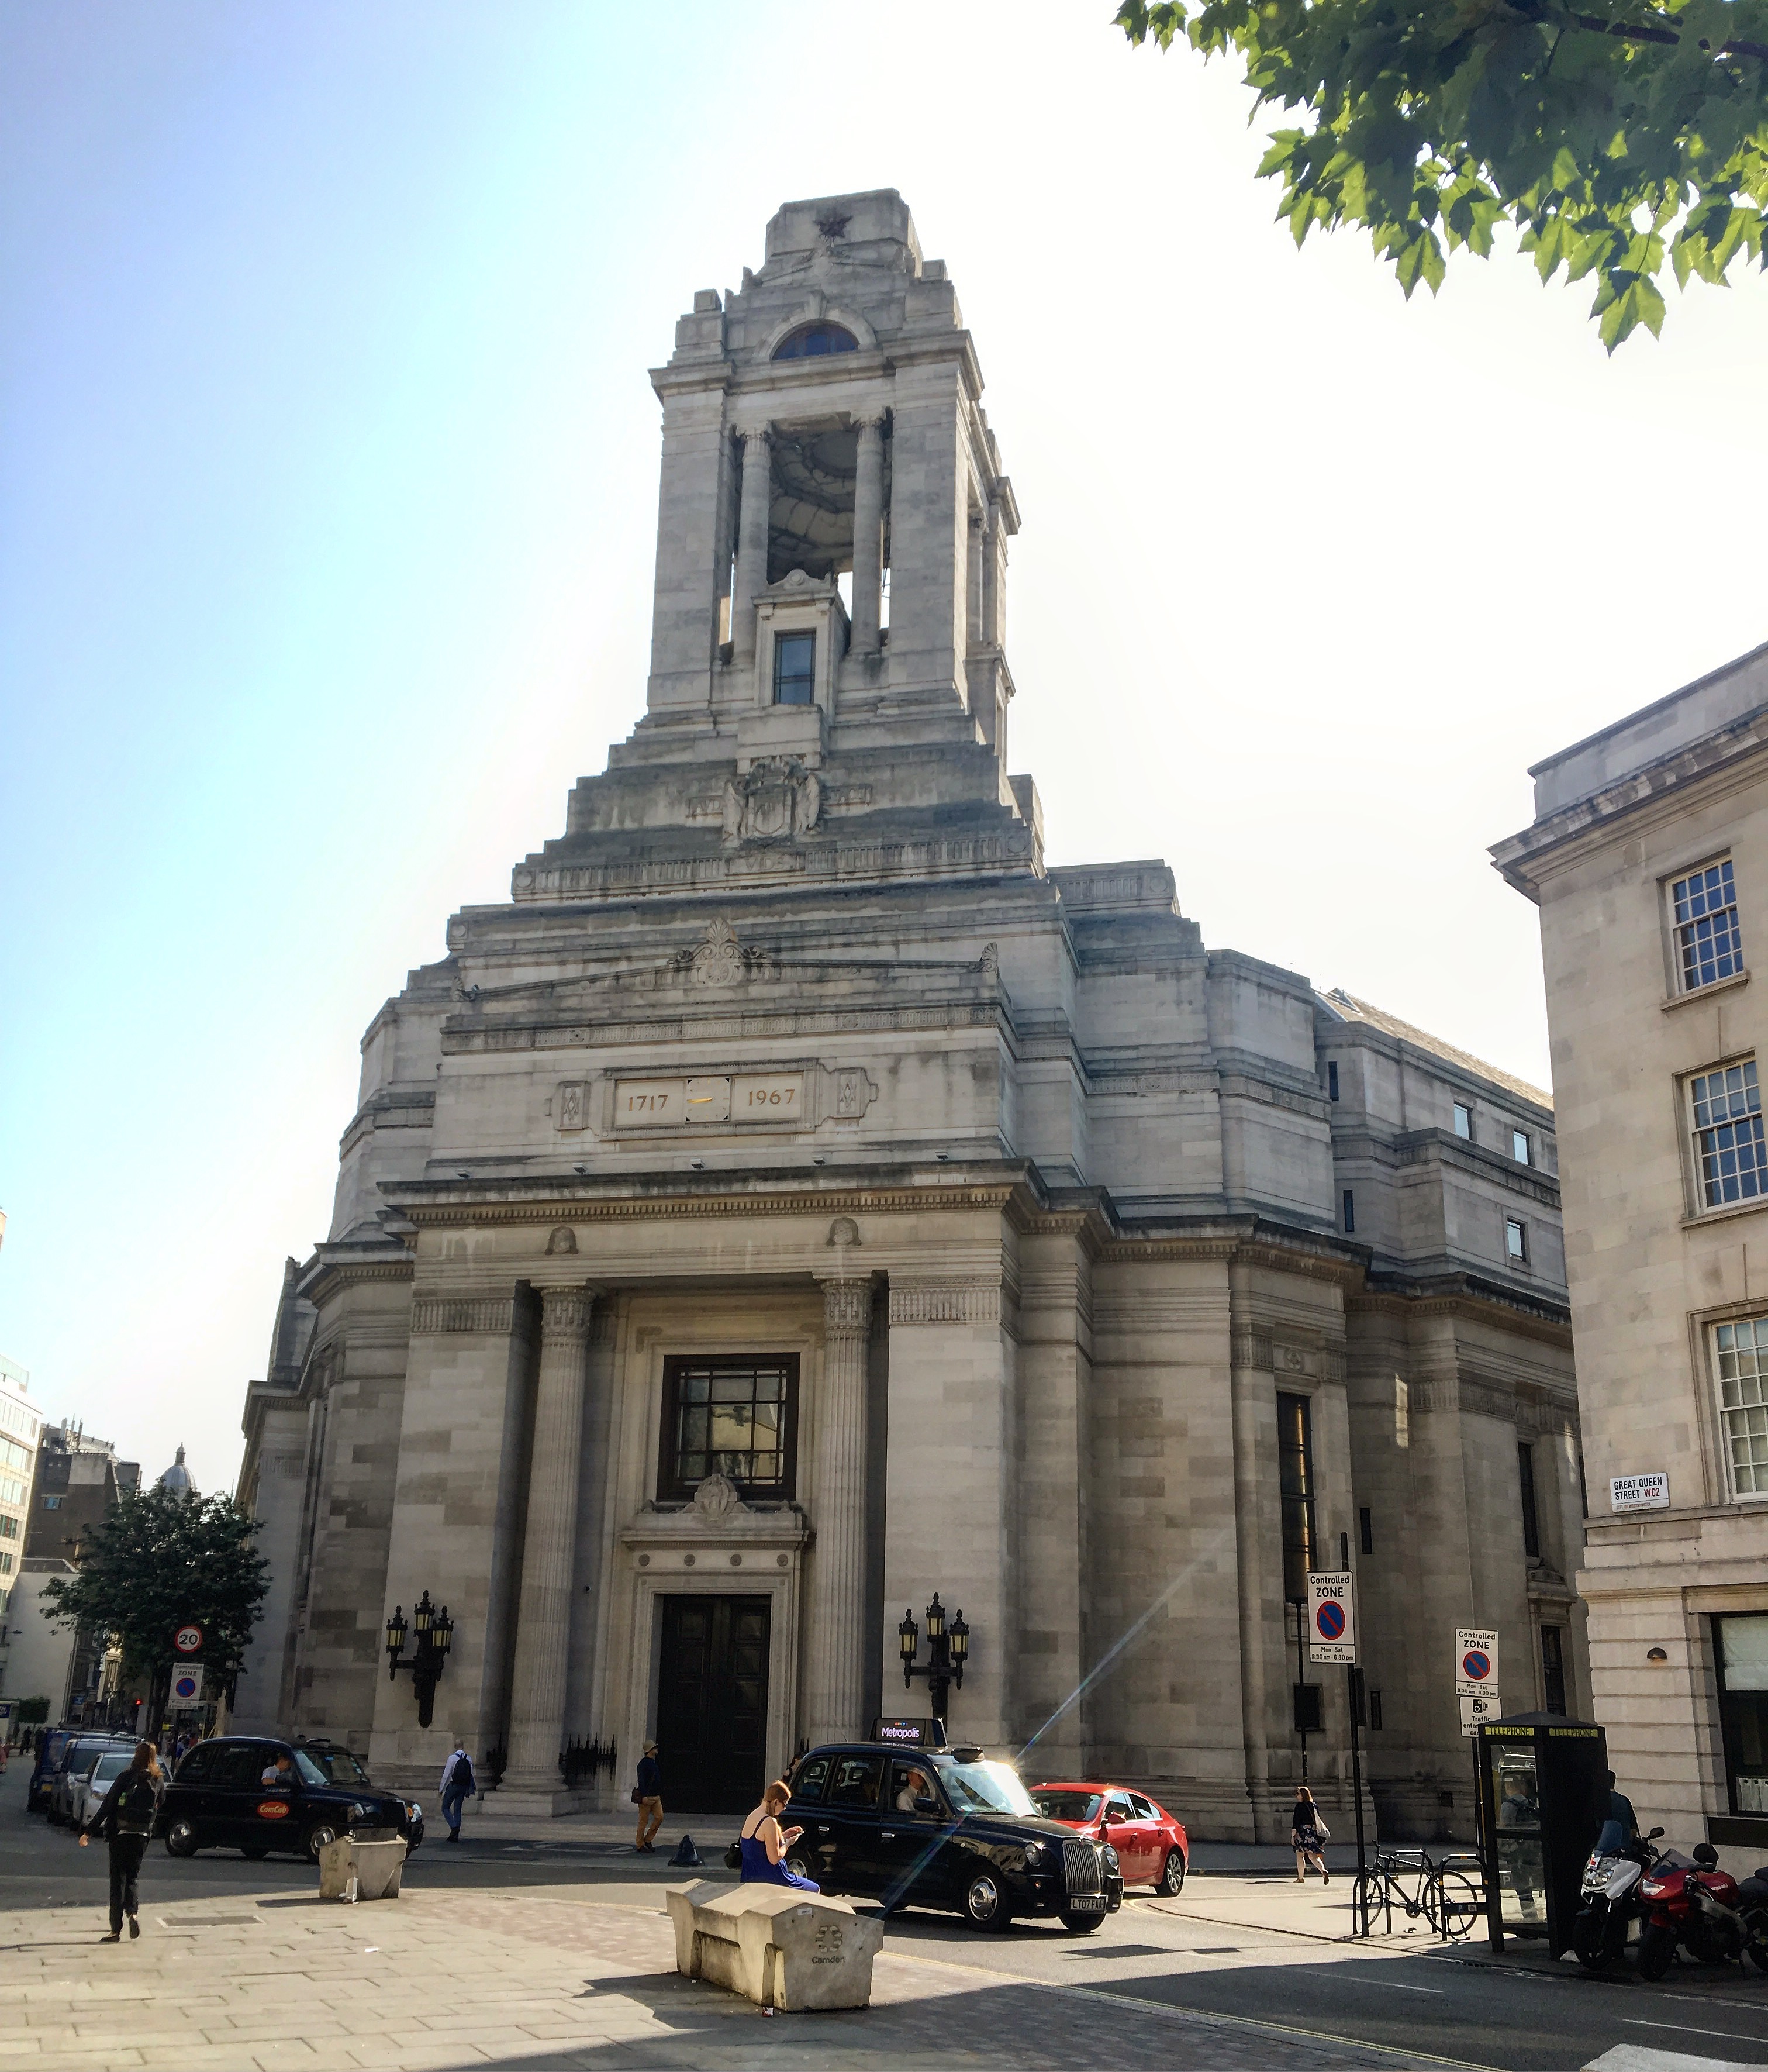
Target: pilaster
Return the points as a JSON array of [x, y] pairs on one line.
[[834, 1695]]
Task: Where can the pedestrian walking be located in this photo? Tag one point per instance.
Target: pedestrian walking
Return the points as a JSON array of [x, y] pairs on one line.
[[1308, 1836], [458, 1785], [126, 1820], [647, 1795], [765, 1842]]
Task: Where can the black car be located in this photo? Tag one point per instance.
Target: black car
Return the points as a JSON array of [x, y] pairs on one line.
[[944, 1828], [219, 1799]]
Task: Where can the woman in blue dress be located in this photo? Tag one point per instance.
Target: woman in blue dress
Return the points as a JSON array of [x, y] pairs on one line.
[[765, 1843]]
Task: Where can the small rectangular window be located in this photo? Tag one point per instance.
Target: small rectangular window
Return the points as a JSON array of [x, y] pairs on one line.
[[1308, 1717], [51, 1503], [1552, 1664], [1703, 907], [1741, 1355], [8, 1526], [1350, 1211], [1518, 1147], [1515, 1242], [1464, 1121], [1331, 1079], [1375, 1712], [795, 669], [6, 1565], [1365, 1526], [1730, 1155], [1525, 1475]]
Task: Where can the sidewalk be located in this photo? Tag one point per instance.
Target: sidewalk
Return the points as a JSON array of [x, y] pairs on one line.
[[436, 1981]]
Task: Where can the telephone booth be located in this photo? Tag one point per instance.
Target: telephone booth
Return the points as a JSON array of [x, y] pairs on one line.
[[1543, 1798]]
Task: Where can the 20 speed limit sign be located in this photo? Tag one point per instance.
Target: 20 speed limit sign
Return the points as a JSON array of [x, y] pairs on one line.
[[188, 1639]]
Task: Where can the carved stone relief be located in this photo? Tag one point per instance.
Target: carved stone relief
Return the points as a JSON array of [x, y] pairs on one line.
[[775, 799]]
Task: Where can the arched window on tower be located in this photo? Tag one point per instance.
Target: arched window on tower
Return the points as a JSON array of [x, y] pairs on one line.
[[811, 341]]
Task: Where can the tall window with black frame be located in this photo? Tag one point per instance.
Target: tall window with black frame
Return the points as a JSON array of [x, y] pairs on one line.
[[795, 669], [1295, 1482]]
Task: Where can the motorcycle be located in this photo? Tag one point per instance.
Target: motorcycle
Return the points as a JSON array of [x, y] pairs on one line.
[[1609, 1897], [1692, 1901]]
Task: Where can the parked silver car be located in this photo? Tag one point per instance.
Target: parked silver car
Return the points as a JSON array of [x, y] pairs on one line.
[[76, 1759], [86, 1790]]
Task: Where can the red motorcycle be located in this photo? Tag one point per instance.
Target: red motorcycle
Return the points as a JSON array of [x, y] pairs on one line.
[[1692, 1901]]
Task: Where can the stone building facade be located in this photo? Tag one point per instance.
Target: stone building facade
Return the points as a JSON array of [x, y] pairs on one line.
[[798, 1198], [1648, 858]]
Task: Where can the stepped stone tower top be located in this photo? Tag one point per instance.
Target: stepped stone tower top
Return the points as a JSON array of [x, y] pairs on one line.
[[827, 643]]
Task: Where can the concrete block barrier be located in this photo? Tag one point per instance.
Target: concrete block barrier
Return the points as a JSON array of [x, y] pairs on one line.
[[776, 1945], [352, 1867]]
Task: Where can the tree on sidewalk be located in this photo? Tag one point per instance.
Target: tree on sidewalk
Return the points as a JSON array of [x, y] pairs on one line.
[[158, 1559], [1613, 135]]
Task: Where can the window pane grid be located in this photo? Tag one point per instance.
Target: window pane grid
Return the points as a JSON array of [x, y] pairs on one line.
[[1728, 1135], [1742, 1350], [1706, 927], [729, 1418]]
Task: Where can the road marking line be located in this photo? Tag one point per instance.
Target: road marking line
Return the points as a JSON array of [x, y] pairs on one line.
[[1687, 2028], [1394, 1986]]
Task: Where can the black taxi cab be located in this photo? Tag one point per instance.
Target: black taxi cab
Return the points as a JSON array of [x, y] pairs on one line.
[[259, 1795], [942, 1827]]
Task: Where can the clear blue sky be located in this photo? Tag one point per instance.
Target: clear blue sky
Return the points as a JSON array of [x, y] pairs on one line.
[[326, 512]]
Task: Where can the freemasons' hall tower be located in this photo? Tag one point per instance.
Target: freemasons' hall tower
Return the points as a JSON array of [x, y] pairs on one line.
[[796, 1200]]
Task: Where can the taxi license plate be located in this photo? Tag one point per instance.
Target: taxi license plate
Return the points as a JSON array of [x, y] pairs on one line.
[[1090, 1903]]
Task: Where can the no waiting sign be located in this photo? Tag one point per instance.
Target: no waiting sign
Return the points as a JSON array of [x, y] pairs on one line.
[[1476, 1660], [1330, 1615]]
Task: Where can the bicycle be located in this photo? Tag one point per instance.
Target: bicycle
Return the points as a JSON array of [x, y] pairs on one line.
[[1449, 1894]]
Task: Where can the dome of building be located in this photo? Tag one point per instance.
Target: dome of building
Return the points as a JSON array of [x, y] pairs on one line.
[[177, 1478]]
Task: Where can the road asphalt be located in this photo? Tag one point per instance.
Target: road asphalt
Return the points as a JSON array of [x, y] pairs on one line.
[[1242, 1963]]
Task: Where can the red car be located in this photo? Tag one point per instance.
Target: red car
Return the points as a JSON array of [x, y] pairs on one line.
[[1151, 1843]]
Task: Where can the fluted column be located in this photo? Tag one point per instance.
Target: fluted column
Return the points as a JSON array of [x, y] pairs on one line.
[[549, 1549], [751, 542], [869, 510], [834, 1689]]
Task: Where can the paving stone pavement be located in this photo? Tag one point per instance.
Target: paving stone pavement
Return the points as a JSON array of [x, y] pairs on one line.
[[445, 1980]]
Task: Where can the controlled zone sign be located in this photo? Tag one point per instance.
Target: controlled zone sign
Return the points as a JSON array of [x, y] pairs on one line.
[[1476, 1711], [188, 1638], [1331, 1617], [1476, 1660], [188, 1685]]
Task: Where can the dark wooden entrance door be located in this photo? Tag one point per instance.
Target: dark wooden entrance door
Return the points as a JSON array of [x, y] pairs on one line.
[[711, 1702]]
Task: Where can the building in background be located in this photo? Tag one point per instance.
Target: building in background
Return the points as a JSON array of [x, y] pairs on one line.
[[78, 1477], [19, 1425], [1648, 859], [798, 1198]]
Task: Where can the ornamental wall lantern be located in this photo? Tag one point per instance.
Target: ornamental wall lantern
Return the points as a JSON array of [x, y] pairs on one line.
[[433, 1635], [948, 1648]]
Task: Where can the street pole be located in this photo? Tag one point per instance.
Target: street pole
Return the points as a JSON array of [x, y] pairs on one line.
[[1355, 1692], [1301, 1680], [1362, 1927]]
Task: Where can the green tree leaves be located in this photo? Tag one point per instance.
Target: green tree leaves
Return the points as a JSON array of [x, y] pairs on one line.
[[1614, 138], [158, 1560]]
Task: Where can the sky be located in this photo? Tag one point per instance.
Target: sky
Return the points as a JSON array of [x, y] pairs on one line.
[[327, 507]]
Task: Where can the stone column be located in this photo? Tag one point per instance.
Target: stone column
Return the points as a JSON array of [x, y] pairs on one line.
[[751, 542], [834, 1692], [868, 539], [543, 1635], [1255, 1473]]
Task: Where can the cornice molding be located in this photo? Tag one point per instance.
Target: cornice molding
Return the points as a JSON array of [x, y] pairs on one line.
[[484, 1316]]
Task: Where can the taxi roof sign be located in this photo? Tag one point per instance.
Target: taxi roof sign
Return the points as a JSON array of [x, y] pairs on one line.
[[910, 1733]]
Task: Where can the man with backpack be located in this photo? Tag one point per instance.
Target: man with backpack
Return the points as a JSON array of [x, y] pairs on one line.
[[458, 1785], [126, 1820]]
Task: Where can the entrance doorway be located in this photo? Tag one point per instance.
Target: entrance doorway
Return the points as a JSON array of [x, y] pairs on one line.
[[711, 1702]]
